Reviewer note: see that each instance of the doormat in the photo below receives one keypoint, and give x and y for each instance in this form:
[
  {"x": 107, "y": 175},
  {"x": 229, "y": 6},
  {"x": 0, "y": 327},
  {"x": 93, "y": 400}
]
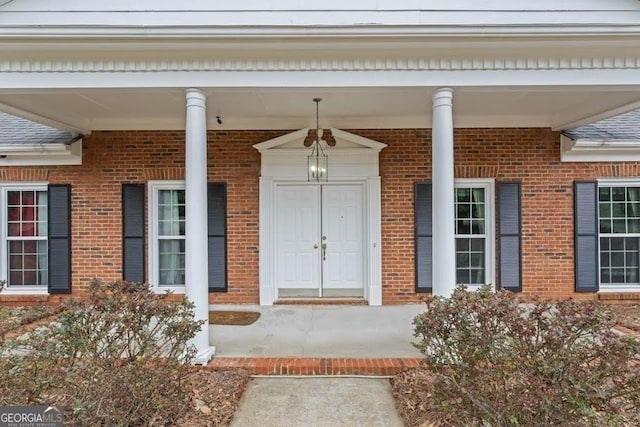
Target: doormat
[{"x": 239, "y": 318}]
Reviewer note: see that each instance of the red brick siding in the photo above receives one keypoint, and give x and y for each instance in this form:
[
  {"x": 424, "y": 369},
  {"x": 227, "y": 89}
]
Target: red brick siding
[{"x": 527, "y": 155}]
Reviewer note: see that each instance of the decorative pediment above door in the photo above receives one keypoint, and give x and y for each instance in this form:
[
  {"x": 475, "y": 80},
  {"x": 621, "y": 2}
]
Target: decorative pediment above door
[{"x": 352, "y": 156}]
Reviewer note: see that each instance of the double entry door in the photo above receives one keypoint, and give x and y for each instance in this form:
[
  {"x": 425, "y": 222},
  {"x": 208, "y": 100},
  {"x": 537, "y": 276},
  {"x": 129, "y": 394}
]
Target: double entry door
[{"x": 319, "y": 240}]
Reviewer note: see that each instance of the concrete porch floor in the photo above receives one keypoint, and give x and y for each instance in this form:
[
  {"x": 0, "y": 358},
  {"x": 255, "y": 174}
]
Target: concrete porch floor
[{"x": 319, "y": 331}]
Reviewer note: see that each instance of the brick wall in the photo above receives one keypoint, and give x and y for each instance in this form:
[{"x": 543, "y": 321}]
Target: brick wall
[{"x": 528, "y": 155}]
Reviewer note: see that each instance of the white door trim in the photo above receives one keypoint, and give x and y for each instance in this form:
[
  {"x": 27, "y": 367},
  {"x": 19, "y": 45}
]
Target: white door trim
[{"x": 351, "y": 161}]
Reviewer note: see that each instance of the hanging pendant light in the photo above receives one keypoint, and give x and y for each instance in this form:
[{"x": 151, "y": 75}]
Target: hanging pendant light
[{"x": 317, "y": 162}]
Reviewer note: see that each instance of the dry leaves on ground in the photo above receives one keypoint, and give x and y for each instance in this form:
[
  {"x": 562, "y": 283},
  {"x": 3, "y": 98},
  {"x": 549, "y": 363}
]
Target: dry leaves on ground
[
  {"x": 626, "y": 315},
  {"x": 214, "y": 396}
]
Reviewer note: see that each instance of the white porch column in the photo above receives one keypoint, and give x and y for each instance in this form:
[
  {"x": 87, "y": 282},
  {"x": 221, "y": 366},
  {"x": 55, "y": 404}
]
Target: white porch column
[
  {"x": 444, "y": 252},
  {"x": 196, "y": 265}
]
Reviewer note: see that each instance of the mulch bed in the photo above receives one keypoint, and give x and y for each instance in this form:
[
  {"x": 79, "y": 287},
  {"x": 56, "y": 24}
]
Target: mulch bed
[{"x": 214, "y": 396}]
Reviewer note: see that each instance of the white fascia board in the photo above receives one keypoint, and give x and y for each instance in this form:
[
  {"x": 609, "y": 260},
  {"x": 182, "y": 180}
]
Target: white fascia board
[
  {"x": 583, "y": 150},
  {"x": 320, "y": 31},
  {"x": 303, "y": 79},
  {"x": 41, "y": 154}
]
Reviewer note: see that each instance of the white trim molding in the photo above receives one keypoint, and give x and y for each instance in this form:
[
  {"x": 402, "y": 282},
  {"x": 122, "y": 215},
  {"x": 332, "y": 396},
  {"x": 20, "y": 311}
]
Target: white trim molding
[
  {"x": 4, "y": 258},
  {"x": 41, "y": 154},
  {"x": 255, "y": 64},
  {"x": 354, "y": 159},
  {"x": 581, "y": 150},
  {"x": 153, "y": 187}
]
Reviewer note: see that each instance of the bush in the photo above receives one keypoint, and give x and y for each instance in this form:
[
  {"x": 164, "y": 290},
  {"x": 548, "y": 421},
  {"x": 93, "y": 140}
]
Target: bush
[
  {"x": 114, "y": 358},
  {"x": 502, "y": 363}
]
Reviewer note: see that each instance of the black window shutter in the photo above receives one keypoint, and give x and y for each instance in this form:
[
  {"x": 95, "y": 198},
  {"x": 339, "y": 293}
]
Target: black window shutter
[
  {"x": 424, "y": 237},
  {"x": 133, "y": 232},
  {"x": 509, "y": 236},
  {"x": 217, "y": 236},
  {"x": 59, "y": 238},
  {"x": 586, "y": 235}
]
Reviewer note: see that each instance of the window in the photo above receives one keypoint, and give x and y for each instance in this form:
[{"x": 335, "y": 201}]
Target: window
[
  {"x": 24, "y": 243},
  {"x": 167, "y": 222},
  {"x": 472, "y": 228},
  {"x": 474, "y": 233},
  {"x": 471, "y": 239},
  {"x": 619, "y": 235}
]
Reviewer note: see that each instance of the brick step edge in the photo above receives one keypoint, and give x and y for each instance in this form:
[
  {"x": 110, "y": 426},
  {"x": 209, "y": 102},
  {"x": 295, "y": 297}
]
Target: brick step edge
[{"x": 316, "y": 366}]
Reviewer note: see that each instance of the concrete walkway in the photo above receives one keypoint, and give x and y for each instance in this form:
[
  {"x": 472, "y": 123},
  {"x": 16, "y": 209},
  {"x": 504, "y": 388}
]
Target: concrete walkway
[
  {"x": 319, "y": 402},
  {"x": 318, "y": 339}
]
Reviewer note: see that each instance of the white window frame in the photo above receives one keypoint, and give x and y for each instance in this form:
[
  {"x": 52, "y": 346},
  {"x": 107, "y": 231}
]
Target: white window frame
[
  {"x": 488, "y": 184},
  {"x": 4, "y": 260},
  {"x": 617, "y": 287},
  {"x": 153, "y": 187}
]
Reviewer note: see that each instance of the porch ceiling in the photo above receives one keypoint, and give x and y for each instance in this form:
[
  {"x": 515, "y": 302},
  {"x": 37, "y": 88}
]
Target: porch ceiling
[{"x": 292, "y": 108}]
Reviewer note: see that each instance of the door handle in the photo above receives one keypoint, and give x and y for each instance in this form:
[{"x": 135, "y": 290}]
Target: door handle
[
  {"x": 315, "y": 246},
  {"x": 324, "y": 251}
]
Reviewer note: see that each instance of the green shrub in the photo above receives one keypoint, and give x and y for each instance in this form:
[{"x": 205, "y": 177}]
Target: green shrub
[
  {"x": 114, "y": 358},
  {"x": 502, "y": 363}
]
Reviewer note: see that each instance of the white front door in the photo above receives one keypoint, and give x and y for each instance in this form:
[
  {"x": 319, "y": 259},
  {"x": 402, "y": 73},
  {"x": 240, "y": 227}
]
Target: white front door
[{"x": 319, "y": 240}]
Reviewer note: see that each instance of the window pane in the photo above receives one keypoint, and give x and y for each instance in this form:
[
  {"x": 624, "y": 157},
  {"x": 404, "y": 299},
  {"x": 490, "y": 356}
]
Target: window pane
[
  {"x": 462, "y": 259},
  {"x": 28, "y": 263},
  {"x": 462, "y": 276},
  {"x": 616, "y": 243},
  {"x": 463, "y": 194},
  {"x": 462, "y": 244},
  {"x": 619, "y": 260},
  {"x": 633, "y": 194},
  {"x": 619, "y": 226},
  {"x": 171, "y": 262},
  {"x": 477, "y": 227},
  {"x": 604, "y": 194},
  {"x": 605, "y": 210},
  {"x": 618, "y": 210},
  {"x": 171, "y": 212},
  {"x": 470, "y": 261},
  {"x": 478, "y": 195},
  {"x": 478, "y": 211},
  {"x": 617, "y": 275},
  {"x": 463, "y": 211},
  {"x": 27, "y": 213},
  {"x": 477, "y": 245},
  {"x": 477, "y": 276},
  {"x": 463, "y": 226},
  {"x": 618, "y": 193},
  {"x": 477, "y": 260},
  {"x": 605, "y": 226}
]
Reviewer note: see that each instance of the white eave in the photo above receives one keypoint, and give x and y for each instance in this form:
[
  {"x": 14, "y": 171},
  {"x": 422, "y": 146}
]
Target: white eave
[
  {"x": 590, "y": 150},
  {"x": 41, "y": 154}
]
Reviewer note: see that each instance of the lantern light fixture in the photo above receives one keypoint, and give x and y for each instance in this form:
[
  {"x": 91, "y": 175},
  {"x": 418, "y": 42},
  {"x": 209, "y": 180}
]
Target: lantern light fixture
[{"x": 317, "y": 161}]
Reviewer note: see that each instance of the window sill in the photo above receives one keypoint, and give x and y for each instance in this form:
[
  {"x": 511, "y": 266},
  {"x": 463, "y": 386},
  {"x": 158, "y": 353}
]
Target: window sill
[
  {"x": 161, "y": 290},
  {"x": 25, "y": 291},
  {"x": 619, "y": 289}
]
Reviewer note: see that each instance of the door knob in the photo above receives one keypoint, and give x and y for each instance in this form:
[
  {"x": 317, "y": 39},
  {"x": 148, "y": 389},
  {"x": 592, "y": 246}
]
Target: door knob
[{"x": 315, "y": 246}]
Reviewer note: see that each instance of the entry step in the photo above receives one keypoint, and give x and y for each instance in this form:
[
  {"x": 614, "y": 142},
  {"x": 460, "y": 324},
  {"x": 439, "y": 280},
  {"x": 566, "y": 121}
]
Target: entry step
[{"x": 321, "y": 301}]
